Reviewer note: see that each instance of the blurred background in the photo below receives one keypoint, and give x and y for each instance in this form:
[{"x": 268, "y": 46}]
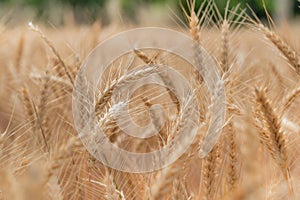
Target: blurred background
[{"x": 62, "y": 12}]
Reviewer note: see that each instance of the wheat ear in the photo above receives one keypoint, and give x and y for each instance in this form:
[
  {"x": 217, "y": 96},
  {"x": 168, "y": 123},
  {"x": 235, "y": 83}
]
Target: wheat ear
[
  {"x": 224, "y": 58},
  {"x": 54, "y": 51},
  {"x": 233, "y": 160},
  {"x": 28, "y": 106},
  {"x": 165, "y": 78},
  {"x": 123, "y": 80},
  {"x": 210, "y": 172},
  {"x": 274, "y": 137},
  {"x": 32, "y": 114},
  {"x": 194, "y": 29},
  {"x": 291, "y": 55},
  {"x": 42, "y": 107}
]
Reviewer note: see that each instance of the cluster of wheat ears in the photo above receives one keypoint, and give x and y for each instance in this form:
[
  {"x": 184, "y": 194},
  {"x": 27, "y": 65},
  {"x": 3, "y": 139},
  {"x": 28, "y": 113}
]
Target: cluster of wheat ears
[{"x": 256, "y": 155}]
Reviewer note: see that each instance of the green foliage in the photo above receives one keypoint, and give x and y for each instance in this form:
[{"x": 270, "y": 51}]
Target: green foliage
[
  {"x": 256, "y": 5},
  {"x": 130, "y": 7},
  {"x": 84, "y": 3}
]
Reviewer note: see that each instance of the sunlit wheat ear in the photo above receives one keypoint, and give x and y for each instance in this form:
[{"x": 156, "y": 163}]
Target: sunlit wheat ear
[
  {"x": 140, "y": 54},
  {"x": 233, "y": 169},
  {"x": 119, "y": 82},
  {"x": 54, "y": 51},
  {"x": 210, "y": 174},
  {"x": 291, "y": 55},
  {"x": 195, "y": 24},
  {"x": 229, "y": 26},
  {"x": 193, "y": 20},
  {"x": 163, "y": 75},
  {"x": 272, "y": 135},
  {"x": 225, "y": 47},
  {"x": 28, "y": 106},
  {"x": 198, "y": 19},
  {"x": 42, "y": 107},
  {"x": 108, "y": 122},
  {"x": 183, "y": 116}
]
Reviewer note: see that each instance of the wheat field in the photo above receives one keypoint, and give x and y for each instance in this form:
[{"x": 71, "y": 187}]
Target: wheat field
[{"x": 256, "y": 155}]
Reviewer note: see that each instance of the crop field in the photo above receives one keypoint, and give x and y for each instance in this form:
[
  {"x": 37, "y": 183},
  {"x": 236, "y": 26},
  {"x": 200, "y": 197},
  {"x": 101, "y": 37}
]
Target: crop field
[{"x": 245, "y": 127}]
